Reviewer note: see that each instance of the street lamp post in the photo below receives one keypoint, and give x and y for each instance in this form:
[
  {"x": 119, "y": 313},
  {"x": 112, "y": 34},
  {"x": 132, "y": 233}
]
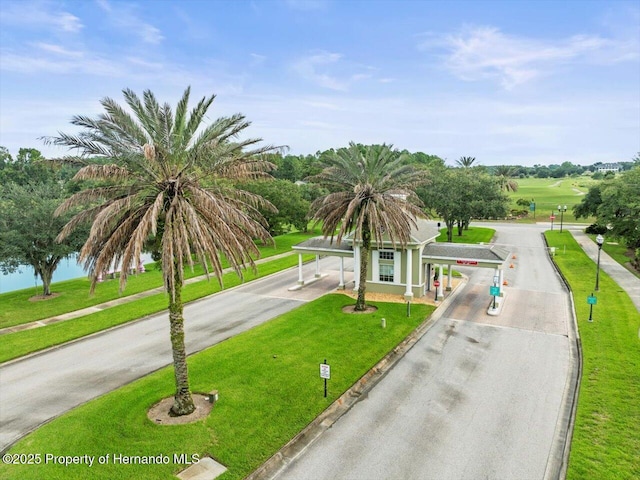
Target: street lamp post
[
  {"x": 562, "y": 209},
  {"x": 599, "y": 241}
]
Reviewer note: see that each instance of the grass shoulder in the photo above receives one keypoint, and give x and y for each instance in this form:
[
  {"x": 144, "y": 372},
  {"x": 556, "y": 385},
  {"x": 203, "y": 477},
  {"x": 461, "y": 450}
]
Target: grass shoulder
[
  {"x": 471, "y": 235},
  {"x": 74, "y": 294},
  {"x": 18, "y": 344},
  {"x": 605, "y": 439},
  {"x": 263, "y": 402}
]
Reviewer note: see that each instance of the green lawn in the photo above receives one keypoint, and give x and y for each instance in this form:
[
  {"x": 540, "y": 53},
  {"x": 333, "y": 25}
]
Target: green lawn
[
  {"x": 269, "y": 385},
  {"x": 473, "y": 235},
  {"x": 74, "y": 294},
  {"x": 548, "y": 193},
  {"x": 14, "y": 345},
  {"x": 606, "y": 439},
  {"x": 619, "y": 252}
]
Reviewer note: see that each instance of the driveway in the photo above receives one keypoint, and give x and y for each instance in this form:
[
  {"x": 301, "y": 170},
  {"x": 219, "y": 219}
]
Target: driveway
[
  {"x": 478, "y": 397},
  {"x": 41, "y": 387}
]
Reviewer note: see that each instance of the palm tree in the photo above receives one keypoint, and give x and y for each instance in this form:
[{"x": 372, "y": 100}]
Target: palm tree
[
  {"x": 465, "y": 162},
  {"x": 505, "y": 174},
  {"x": 165, "y": 176},
  {"x": 372, "y": 195}
]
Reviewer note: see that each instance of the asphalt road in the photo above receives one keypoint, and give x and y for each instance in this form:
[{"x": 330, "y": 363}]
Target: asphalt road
[
  {"x": 39, "y": 388},
  {"x": 478, "y": 397}
]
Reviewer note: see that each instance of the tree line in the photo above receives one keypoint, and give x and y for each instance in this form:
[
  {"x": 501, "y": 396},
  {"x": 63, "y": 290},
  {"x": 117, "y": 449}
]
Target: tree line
[{"x": 156, "y": 178}]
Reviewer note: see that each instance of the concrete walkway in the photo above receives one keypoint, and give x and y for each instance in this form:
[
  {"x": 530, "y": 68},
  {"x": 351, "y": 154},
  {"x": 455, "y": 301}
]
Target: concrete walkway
[
  {"x": 623, "y": 277},
  {"x": 118, "y": 301}
]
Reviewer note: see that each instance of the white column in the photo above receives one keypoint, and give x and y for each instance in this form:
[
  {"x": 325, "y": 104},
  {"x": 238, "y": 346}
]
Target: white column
[
  {"x": 317, "y": 266},
  {"x": 408, "y": 293},
  {"x": 450, "y": 279},
  {"x": 501, "y": 281},
  {"x": 341, "y": 284},
  {"x": 439, "y": 288},
  {"x": 356, "y": 267},
  {"x": 300, "y": 279}
]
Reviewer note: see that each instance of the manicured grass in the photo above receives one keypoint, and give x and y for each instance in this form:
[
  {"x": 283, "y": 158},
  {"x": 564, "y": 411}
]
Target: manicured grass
[
  {"x": 619, "y": 252},
  {"x": 606, "y": 439},
  {"x": 269, "y": 385},
  {"x": 473, "y": 235},
  {"x": 548, "y": 193},
  {"x": 74, "y": 294},
  {"x": 14, "y": 345}
]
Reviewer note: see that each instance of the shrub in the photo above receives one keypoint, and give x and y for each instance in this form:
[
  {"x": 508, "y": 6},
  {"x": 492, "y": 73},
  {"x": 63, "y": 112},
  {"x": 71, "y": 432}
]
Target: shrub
[{"x": 596, "y": 229}]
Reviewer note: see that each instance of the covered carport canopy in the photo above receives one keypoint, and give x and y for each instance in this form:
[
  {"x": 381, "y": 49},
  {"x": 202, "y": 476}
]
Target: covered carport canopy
[
  {"x": 322, "y": 246},
  {"x": 462, "y": 254}
]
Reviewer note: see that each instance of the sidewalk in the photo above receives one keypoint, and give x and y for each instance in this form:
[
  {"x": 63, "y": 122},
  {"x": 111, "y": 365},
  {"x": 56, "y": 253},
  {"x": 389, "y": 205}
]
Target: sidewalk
[
  {"x": 118, "y": 301},
  {"x": 623, "y": 277}
]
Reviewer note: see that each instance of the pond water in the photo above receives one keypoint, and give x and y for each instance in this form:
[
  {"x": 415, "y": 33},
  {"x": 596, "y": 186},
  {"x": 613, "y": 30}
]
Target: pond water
[{"x": 25, "y": 277}]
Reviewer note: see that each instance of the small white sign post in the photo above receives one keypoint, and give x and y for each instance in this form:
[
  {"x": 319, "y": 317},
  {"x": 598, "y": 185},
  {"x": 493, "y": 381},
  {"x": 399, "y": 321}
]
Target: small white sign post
[{"x": 325, "y": 372}]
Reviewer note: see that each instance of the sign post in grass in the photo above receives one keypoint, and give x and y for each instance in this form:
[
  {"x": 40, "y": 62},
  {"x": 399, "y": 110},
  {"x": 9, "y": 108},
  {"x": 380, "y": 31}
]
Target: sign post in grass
[
  {"x": 591, "y": 300},
  {"x": 325, "y": 372}
]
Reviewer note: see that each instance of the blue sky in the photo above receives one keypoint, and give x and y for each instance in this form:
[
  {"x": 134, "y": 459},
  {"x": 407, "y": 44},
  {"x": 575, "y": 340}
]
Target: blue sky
[{"x": 507, "y": 82}]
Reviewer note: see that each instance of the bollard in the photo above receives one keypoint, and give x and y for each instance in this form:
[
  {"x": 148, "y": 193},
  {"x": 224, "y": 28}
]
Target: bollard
[{"x": 383, "y": 323}]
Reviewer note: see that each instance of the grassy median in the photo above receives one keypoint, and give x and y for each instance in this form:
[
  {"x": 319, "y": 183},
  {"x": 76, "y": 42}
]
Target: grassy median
[
  {"x": 269, "y": 385},
  {"x": 606, "y": 438},
  {"x": 74, "y": 294},
  {"x": 18, "y": 344}
]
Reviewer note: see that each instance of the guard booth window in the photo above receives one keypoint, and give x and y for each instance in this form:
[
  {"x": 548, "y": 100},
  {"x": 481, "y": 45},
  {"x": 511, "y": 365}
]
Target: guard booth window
[{"x": 386, "y": 264}]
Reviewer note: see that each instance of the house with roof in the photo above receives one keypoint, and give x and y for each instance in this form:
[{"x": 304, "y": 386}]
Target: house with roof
[
  {"x": 609, "y": 167},
  {"x": 412, "y": 270}
]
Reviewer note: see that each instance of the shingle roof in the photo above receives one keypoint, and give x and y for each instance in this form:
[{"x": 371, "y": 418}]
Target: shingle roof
[
  {"x": 462, "y": 251},
  {"x": 321, "y": 243}
]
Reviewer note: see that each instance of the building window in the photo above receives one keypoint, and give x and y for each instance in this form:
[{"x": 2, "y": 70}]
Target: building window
[
  {"x": 386, "y": 255},
  {"x": 386, "y": 265}
]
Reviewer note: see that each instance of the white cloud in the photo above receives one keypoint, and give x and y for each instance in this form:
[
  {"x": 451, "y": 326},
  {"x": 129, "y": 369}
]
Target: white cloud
[
  {"x": 41, "y": 14},
  {"x": 58, "y": 49},
  {"x": 124, "y": 17},
  {"x": 328, "y": 70},
  {"x": 478, "y": 53}
]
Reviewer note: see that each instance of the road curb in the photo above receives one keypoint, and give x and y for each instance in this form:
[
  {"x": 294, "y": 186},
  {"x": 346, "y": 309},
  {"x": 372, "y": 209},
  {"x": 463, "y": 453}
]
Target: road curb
[
  {"x": 561, "y": 448},
  {"x": 298, "y": 444}
]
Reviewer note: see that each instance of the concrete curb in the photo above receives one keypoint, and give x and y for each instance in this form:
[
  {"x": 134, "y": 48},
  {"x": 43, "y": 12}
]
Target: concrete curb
[
  {"x": 558, "y": 460},
  {"x": 298, "y": 444}
]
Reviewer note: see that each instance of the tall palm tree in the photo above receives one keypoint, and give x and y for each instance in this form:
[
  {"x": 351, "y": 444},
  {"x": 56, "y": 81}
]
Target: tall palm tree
[
  {"x": 465, "y": 162},
  {"x": 504, "y": 173},
  {"x": 164, "y": 176},
  {"x": 372, "y": 196}
]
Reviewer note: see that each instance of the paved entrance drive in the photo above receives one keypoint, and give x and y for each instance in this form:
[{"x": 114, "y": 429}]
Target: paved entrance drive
[
  {"x": 38, "y": 388},
  {"x": 478, "y": 397}
]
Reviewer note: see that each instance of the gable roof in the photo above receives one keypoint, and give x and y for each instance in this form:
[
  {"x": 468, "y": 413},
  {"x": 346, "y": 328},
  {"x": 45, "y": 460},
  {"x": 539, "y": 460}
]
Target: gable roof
[
  {"x": 425, "y": 231},
  {"x": 459, "y": 253}
]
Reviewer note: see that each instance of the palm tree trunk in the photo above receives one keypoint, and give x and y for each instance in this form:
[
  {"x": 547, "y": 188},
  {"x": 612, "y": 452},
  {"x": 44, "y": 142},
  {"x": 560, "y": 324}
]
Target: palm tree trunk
[
  {"x": 364, "y": 265},
  {"x": 183, "y": 403}
]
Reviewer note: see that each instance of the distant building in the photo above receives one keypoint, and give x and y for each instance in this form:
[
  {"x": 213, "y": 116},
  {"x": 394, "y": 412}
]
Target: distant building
[{"x": 609, "y": 167}]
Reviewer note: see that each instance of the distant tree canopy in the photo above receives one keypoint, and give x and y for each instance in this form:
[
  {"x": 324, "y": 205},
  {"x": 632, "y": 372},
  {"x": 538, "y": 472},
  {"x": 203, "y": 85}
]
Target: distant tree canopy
[
  {"x": 29, "y": 229},
  {"x": 286, "y": 196},
  {"x": 616, "y": 204},
  {"x": 460, "y": 195}
]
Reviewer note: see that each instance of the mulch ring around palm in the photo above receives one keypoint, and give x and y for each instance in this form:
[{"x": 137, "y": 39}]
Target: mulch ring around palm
[
  {"x": 352, "y": 309},
  {"x": 159, "y": 413}
]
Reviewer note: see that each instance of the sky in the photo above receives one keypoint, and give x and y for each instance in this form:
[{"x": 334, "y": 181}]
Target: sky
[{"x": 507, "y": 82}]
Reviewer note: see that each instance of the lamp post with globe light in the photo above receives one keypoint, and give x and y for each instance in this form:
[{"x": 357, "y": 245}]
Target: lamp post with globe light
[
  {"x": 599, "y": 241},
  {"x": 562, "y": 209}
]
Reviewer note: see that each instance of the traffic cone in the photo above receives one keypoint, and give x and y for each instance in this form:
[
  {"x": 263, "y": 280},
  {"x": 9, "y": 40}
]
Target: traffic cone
[
  {"x": 505, "y": 283},
  {"x": 511, "y": 266}
]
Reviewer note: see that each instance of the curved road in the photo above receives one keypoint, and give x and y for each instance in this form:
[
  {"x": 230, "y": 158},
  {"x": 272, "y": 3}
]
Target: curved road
[
  {"x": 36, "y": 389},
  {"x": 478, "y": 397}
]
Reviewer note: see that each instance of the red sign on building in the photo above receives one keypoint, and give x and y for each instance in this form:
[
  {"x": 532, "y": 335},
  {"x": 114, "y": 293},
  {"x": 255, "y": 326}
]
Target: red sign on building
[{"x": 466, "y": 262}]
